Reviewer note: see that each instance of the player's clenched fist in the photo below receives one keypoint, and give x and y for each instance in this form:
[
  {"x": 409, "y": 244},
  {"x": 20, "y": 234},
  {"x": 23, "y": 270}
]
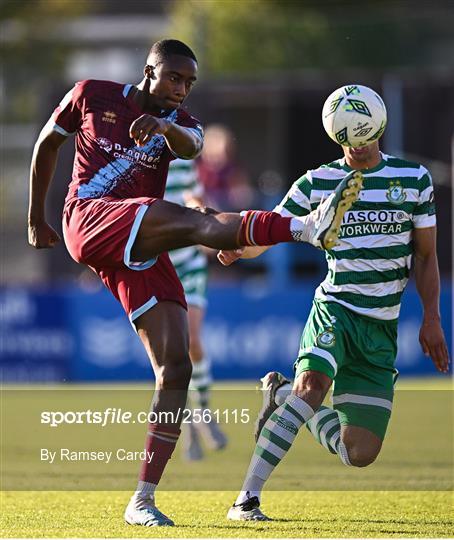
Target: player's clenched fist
[
  {"x": 42, "y": 235},
  {"x": 144, "y": 127},
  {"x": 227, "y": 257}
]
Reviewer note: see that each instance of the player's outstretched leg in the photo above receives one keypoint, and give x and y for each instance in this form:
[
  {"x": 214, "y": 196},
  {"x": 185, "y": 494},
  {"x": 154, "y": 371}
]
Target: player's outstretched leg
[
  {"x": 276, "y": 438},
  {"x": 166, "y": 226}
]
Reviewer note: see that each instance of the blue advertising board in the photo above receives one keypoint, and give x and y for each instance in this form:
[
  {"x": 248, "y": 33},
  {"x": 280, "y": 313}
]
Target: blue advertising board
[
  {"x": 79, "y": 335},
  {"x": 36, "y": 339}
]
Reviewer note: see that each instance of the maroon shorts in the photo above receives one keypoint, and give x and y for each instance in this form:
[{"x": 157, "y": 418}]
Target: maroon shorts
[{"x": 100, "y": 233}]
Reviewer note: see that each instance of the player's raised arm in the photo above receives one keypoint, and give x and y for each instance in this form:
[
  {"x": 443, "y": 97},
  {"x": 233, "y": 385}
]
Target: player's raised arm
[
  {"x": 427, "y": 276},
  {"x": 183, "y": 141},
  {"x": 44, "y": 160}
]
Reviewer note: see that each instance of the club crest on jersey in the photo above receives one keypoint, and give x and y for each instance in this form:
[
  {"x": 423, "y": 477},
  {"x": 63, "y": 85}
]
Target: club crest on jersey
[
  {"x": 109, "y": 116},
  {"x": 104, "y": 143},
  {"x": 326, "y": 338},
  {"x": 396, "y": 193}
]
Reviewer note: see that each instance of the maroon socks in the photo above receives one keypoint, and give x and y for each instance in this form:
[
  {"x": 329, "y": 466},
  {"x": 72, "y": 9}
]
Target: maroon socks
[
  {"x": 160, "y": 444},
  {"x": 260, "y": 228}
]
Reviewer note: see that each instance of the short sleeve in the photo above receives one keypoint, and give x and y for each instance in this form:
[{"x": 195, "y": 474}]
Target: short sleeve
[
  {"x": 297, "y": 201},
  {"x": 424, "y": 213},
  {"x": 67, "y": 117},
  {"x": 186, "y": 120}
]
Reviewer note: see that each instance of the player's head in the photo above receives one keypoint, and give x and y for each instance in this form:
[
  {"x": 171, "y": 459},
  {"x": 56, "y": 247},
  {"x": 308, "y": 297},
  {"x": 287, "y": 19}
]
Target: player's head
[{"x": 171, "y": 71}]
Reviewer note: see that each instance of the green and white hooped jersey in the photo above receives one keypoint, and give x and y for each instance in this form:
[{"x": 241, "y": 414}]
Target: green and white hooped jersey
[
  {"x": 190, "y": 263},
  {"x": 368, "y": 271}
]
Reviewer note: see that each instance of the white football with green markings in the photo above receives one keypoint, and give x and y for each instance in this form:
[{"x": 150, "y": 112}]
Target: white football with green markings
[{"x": 354, "y": 115}]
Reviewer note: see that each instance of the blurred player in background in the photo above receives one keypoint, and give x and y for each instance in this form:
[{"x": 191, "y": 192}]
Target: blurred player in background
[
  {"x": 350, "y": 337},
  {"x": 223, "y": 177},
  {"x": 116, "y": 222},
  {"x": 191, "y": 264}
]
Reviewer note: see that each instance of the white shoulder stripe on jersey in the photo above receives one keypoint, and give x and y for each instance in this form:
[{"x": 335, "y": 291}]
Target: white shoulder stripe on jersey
[
  {"x": 425, "y": 194},
  {"x": 425, "y": 221},
  {"x": 397, "y": 172}
]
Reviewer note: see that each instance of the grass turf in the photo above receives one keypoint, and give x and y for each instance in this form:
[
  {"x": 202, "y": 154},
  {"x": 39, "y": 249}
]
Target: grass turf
[
  {"x": 202, "y": 514},
  {"x": 405, "y": 493}
]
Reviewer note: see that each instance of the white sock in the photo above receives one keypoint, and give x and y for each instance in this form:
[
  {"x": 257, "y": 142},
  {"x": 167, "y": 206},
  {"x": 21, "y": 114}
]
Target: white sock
[
  {"x": 145, "y": 490},
  {"x": 245, "y": 495},
  {"x": 300, "y": 231},
  {"x": 281, "y": 427}
]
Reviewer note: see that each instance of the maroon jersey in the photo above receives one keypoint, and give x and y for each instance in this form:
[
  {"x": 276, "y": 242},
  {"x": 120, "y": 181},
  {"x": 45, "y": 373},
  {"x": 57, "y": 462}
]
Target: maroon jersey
[{"x": 107, "y": 160}]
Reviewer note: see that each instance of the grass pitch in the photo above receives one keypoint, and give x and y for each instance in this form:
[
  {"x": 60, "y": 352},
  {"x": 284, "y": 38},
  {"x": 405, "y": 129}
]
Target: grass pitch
[
  {"x": 202, "y": 514},
  {"x": 406, "y": 493}
]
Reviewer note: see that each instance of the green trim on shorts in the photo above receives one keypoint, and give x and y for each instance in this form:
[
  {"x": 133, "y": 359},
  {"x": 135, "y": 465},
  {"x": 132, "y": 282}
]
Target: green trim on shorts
[{"x": 311, "y": 362}]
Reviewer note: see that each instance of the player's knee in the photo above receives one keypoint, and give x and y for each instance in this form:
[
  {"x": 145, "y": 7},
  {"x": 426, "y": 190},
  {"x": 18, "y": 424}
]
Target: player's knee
[
  {"x": 175, "y": 375},
  {"x": 312, "y": 387},
  {"x": 361, "y": 453},
  {"x": 361, "y": 458}
]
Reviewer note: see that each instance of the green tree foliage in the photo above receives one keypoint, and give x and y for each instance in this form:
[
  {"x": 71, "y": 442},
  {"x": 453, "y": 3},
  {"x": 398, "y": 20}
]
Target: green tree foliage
[
  {"x": 29, "y": 59},
  {"x": 267, "y": 35}
]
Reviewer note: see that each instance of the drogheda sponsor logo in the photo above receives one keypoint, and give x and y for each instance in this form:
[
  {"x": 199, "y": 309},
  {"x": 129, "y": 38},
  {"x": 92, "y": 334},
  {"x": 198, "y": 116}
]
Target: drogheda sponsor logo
[{"x": 118, "y": 151}]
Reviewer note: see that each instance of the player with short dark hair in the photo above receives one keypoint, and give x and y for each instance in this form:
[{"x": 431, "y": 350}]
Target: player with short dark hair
[
  {"x": 162, "y": 50},
  {"x": 115, "y": 222}
]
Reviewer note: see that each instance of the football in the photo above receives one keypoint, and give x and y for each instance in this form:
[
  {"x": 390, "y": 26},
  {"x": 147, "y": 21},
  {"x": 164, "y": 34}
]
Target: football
[{"x": 354, "y": 115}]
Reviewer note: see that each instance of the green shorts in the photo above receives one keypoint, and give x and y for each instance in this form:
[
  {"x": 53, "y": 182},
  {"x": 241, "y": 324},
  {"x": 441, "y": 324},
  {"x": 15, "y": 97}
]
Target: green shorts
[{"x": 358, "y": 353}]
